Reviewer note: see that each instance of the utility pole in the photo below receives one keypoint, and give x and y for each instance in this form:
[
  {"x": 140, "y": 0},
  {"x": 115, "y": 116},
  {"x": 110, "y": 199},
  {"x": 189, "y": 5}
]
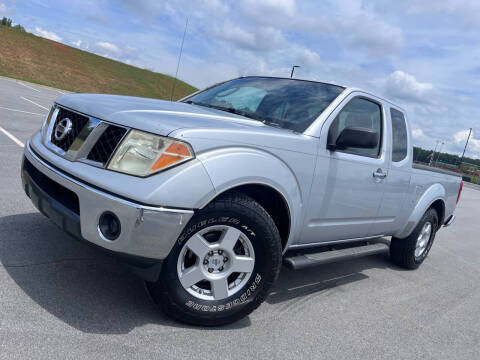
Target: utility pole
[
  {"x": 433, "y": 155},
  {"x": 179, "y": 57},
  {"x": 293, "y": 69},
  {"x": 465, "y": 148},
  {"x": 439, "y": 151}
]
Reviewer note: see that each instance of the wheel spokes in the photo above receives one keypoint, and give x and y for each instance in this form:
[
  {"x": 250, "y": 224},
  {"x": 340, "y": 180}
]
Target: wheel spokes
[
  {"x": 428, "y": 229},
  {"x": 219, "y": 288},
  {"x": 214, "y": 260},
  {"x": 242, "y": 264},
  {"x": 191, "y": 276},
  {"x": 230, "y": 238},
  {"x": 198, "y": 245}
]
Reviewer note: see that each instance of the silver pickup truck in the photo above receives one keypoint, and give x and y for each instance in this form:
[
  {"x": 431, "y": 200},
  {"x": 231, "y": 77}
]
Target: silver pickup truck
[{"x": 206, "y": 197}]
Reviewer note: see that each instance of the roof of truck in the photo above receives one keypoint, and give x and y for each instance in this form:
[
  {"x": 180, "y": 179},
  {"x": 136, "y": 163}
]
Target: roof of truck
[{"x": 347, "y": 88}]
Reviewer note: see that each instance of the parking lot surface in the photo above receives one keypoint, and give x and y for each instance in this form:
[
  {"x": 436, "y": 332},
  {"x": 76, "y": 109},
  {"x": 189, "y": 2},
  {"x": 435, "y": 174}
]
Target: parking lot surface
[{"x": 60, "y": 298}]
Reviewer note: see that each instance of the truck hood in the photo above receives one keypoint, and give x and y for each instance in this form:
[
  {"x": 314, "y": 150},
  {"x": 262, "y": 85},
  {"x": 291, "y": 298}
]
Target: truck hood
[{"x": 156, "y": 116}]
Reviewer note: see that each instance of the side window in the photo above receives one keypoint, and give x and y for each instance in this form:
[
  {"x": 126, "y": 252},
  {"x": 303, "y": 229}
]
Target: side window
[
  {"x": 359, "y": 112},
  {"x": 399, "y": 136}
]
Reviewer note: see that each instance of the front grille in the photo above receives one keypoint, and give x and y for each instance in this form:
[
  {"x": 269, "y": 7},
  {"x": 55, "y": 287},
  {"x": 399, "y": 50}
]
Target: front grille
[
  {"x": 89, "y": 139},
  {"x": 78, "y": 122},
  {"x": 106, "y": 145},
  {"x": 56, "y": 191}
]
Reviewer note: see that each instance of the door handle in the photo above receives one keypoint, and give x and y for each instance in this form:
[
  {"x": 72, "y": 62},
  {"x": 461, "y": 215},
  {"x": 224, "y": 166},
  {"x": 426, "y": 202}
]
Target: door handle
[{"x": 379, "y": 174}]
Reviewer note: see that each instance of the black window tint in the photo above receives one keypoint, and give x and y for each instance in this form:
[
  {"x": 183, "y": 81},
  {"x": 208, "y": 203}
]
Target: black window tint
[
  {"x": 358, "y": 113},
  {"x": 399, "y": 136}
]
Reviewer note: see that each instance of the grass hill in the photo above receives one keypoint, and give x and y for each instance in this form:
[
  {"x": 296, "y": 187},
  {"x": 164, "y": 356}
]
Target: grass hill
[{"x": 31, "y": 58}]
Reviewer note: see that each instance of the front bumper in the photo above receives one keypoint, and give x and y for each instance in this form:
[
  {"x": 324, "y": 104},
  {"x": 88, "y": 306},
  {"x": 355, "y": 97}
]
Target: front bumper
[{"x": 147, "y": 231}]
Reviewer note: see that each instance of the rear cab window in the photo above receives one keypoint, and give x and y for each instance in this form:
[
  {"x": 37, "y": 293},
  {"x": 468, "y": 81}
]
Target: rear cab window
[{"x": 399, "y": 136}]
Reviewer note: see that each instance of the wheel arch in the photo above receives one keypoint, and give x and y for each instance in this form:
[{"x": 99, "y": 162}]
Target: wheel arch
[
  {"x": 272, "y": 200},
  {"x": 434, "y": 197},
  {"x": 258, "y": 174},
  {"x": 439, "y": 206}
]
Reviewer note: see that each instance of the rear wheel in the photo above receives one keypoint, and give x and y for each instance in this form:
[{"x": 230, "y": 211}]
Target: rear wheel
[
  {"x": 412, "y": 251},
  {"x": 222, "y": 265}
]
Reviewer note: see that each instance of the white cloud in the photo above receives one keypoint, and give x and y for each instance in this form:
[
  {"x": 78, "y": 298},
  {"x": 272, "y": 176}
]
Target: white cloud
[
  {"x": 404, "y": 86},
  {"x": 268, "y": 8},
  {"x": 418, "y": 134},
  {"x": 460, "y": 138},
  {"x": 308, "y": 59},
  {"x": 215, "y": 5},
  {"x": 112, "y": 48},
  {"x": 464, "y": 10},
  {"x": 262, "y": 38},
  {"x": 77, "y": 43},
  {"x": 3, "y": 9},
  {"x": 361, "y": 27},
  {"x": 47, "y": 34}
]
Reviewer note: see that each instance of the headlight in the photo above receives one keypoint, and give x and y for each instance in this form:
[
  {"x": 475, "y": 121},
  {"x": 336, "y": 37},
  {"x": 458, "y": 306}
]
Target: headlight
[{"x": 143, "y": 154}]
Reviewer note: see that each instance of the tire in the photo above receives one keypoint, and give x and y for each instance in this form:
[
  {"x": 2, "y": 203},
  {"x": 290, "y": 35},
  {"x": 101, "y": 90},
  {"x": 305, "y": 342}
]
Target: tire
[
  {"x": 405, "y": 252},
  {"x": 210, "y": 302}
]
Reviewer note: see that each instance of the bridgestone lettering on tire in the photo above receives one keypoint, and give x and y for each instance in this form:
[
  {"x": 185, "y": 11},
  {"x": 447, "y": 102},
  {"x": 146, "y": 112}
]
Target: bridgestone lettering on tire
[{"x": 222, "y": 265}]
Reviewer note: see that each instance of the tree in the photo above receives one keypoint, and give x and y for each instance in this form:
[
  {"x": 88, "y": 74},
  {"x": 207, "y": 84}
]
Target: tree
[
  {"x": 6, "y": 22},
  {"x": 421, "y": 155}
]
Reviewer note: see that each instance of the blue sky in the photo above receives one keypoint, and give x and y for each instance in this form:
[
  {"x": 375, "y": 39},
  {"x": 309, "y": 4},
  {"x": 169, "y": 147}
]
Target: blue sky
[{"x": 424, "y": 55}]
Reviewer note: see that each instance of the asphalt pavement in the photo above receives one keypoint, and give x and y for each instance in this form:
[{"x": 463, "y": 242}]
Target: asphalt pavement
[{"x": 61, "y": 299}]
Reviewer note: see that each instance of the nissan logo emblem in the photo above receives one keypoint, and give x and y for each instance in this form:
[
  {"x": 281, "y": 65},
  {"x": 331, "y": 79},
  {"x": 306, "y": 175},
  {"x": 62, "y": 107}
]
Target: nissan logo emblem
[{"x": 63, "y": 128}]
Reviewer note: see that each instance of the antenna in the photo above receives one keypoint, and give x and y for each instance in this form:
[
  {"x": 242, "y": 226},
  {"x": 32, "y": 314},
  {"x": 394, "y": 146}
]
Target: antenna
[{"x": 179, "y": 57}]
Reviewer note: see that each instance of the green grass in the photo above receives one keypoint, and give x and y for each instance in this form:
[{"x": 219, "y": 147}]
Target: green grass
[{"x": 31, "y": 58}]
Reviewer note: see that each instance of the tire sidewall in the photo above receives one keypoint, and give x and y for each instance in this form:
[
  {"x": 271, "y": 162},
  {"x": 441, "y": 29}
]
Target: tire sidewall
[
  {"x": 264, "y": 273},
  {"x": 430, "y": 216}
]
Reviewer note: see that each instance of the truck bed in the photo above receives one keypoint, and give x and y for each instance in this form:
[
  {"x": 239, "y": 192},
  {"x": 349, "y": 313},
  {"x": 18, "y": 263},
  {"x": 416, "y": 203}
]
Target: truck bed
[{"x": 435, "y": 169}]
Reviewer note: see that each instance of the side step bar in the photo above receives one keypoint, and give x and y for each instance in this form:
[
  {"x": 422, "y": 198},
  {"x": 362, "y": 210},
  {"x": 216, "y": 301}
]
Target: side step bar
[{"x": 306, "y": 260}]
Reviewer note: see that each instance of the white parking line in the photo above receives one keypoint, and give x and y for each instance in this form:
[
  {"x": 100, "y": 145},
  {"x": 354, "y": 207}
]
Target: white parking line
[
  {"x": 19, "y": 82},
  {"x": 13, "y": 138},
  {"x": 33, "y": 102},
  {"x": 26, "y": 112}
]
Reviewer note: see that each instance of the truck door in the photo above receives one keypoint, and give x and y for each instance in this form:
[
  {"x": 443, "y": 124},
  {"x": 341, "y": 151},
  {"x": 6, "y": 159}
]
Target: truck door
[
  {"x": 399, "y": 175},
  {"x": 348, "y": 184}
]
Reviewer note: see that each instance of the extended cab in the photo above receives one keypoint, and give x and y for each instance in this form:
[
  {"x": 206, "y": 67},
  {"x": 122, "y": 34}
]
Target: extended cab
[{"x": 206, "y": 197}]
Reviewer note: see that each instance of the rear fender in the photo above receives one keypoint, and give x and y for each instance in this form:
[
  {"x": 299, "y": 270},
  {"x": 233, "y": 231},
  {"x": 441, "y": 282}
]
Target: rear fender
[{"x": 425, "y": 201}]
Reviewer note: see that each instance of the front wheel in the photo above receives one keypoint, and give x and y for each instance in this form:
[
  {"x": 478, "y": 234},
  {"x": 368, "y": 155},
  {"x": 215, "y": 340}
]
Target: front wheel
[
  {"x": 222, "y": 265},
  {"x": 412, "y": 251}
]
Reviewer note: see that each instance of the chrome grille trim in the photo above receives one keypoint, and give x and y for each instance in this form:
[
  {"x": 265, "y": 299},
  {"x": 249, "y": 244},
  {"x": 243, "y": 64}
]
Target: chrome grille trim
[{"x": 84, "y": 142}]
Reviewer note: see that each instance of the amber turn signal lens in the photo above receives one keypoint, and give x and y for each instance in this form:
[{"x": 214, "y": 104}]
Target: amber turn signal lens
[
  {"x": 174, "y": 153},
  {"x": 165, "y": 160},
  {"x": 178, "y": 149}
]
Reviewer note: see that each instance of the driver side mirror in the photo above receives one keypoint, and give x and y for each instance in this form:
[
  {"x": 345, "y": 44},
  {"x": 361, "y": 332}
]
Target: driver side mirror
[{"x": 356, "y": 137}]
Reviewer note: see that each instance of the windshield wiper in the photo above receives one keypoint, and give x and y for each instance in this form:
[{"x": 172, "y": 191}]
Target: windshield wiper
[{"x": 266, "y": 121}]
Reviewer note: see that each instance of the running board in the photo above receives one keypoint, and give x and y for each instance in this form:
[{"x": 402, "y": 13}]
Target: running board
[{"x": 306, "y": 260}]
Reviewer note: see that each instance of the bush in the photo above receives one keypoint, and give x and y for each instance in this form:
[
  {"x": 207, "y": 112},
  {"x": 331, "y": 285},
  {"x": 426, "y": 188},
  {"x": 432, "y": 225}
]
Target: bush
[{"x": 19, "y": 27}]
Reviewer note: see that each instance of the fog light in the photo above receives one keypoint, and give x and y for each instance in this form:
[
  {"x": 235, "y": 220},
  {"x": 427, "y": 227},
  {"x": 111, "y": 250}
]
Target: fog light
[{"x": 109, "y": 225}]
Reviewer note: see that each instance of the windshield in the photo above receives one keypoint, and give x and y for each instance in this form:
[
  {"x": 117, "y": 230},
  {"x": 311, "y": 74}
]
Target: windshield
[{"x": 286, "y": 103}]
